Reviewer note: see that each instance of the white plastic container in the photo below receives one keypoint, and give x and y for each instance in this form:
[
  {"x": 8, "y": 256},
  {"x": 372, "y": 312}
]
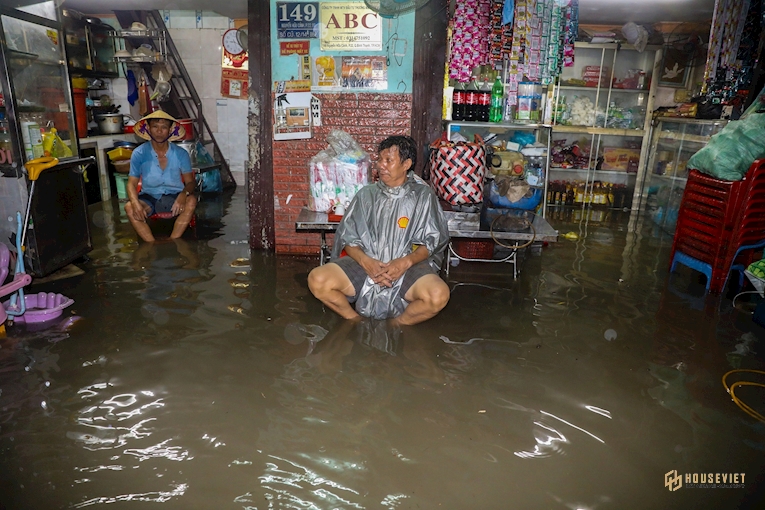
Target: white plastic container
[
  {"x": 32, "y": 135},
  {"x": 529, "y": 101}
]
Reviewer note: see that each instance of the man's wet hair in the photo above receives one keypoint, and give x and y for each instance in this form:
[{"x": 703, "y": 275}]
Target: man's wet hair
[{"x": 407, "y": 148}]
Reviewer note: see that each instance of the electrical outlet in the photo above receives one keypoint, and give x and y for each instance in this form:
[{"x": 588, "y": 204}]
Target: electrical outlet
[{"x": 315, "y": 112}]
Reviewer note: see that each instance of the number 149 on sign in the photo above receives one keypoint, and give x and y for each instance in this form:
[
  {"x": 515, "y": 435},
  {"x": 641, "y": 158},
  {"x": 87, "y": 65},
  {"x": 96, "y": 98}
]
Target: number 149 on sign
[{"x": 297, "y": 19}]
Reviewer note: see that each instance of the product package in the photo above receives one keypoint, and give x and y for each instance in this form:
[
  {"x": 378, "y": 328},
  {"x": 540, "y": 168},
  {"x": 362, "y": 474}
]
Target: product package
[{"x": 338, "y": 172}]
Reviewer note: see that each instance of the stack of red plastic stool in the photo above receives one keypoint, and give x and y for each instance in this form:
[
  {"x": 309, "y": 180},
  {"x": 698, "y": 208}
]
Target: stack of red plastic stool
[{"x": 719, "y": 223}]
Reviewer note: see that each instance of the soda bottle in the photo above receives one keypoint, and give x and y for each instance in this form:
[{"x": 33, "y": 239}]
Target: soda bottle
[
  {"x": 458, "y": 102},
  {"x": 471, "y": 101},
  {"x": 484, "y": 99},
  {"x": 497, "y": 99}
]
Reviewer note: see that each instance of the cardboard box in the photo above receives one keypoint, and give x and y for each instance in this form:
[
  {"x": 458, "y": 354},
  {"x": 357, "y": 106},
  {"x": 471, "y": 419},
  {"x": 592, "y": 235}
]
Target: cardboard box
[{"x": 618, "y": 158}]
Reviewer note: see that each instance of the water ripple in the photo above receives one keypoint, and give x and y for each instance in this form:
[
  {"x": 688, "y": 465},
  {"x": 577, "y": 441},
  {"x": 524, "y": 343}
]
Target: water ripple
[
  {"x": 153, "y": 496},
  {"x": 328, "y": 493}
]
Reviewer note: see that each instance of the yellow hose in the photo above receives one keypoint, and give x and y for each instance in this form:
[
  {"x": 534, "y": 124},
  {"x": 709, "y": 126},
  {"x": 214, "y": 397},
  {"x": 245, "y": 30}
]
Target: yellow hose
[{"x": 731, "y": 389}]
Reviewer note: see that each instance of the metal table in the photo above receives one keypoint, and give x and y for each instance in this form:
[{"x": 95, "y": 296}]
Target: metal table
[
  {"x": 311, "y": 221},
  {"x": 542, "y": 232}
]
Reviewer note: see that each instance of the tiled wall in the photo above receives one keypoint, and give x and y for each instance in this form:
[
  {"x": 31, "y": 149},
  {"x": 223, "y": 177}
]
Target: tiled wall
[{"x": 199, "y": 44}]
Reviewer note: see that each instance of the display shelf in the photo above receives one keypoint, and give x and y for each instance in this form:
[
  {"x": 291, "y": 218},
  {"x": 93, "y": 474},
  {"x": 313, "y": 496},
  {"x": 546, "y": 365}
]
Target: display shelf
[
  {"x": 504, "y": 126},
  {"x": 673, "y": 141},
  {"x": 602, "y": 66},
  {"x": 590, "y": 130},
  {"x": 673, "y": 178},
  {"x": 579, "y": 170},
  {"x": 684, "y": 137},
  {"x": 595, "y": 89}
]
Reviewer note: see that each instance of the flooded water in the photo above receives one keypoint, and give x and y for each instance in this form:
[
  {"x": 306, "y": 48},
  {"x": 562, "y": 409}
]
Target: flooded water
[{"x": 199, "y": 376}]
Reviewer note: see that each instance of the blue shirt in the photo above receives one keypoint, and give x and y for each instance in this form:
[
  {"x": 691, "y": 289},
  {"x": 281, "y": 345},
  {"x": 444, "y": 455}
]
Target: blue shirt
[{"x": 156, "y": 182}]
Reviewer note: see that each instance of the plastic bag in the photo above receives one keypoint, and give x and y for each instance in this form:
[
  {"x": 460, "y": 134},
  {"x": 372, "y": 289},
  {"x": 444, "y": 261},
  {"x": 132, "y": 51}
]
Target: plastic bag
[
  {"x": 54, "y": 146},
  {"x": 337, "y": 173},
  {"x": 729, "y": 154},
  {"x": 210, "y": 181}
]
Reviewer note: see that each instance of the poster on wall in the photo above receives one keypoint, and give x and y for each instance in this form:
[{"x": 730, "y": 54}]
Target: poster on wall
[
  {"x": 325, "y": 72},
  {"x": 297, "y": 20},
  {"x": 292, "y": 116},
  {"x": 349, "y": 26},
  {"x": 233, "y": 83},
  {"x": 364, "y": 73}
]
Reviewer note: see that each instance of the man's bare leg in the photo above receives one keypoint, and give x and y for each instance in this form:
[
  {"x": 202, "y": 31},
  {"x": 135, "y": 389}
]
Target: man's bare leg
[
  {"x": 183, "y": 219},
  {"x": 140, "y": 226},
  {"x": 330, "y": 285},
  {"x": 426, "y": 298}
]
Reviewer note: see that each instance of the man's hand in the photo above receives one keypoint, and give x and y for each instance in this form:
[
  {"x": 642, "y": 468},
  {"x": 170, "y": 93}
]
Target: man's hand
[
  {"x": 179, "y": 205},
  {"x": 386, "y": 274},
  {"x": 139, "y": 213},
  {"x": 394, "y": 270},
  {"x": 375, "y": 269}
]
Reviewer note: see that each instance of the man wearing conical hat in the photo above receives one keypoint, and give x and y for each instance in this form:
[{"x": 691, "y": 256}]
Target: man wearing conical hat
[{"x": 165, "y": 173}]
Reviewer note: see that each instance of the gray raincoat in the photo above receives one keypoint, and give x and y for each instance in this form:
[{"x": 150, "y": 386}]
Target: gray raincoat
[{"x": 385, "y": 222}]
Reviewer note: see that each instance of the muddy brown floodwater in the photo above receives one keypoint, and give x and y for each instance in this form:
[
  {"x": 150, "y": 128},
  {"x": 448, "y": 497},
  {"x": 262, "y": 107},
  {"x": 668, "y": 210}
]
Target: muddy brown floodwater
[{"x": 199, "y": 375}]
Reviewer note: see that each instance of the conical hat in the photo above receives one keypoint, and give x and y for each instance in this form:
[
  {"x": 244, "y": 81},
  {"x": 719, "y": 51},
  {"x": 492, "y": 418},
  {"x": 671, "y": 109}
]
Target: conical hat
[{"x": 141, "y": 128}]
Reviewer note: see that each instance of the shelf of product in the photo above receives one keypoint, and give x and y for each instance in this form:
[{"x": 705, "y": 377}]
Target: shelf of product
[
  {"x": 608, "y": 86},
  {"x": 598, "y": 114},
  {"x": 517, "y": 162},
  {"x": 673, "y": 142}
]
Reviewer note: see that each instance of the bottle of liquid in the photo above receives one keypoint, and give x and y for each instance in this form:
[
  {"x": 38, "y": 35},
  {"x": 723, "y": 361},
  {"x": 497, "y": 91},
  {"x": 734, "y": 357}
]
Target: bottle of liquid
[
  {"x": 497, "y": 100},
  {"x": 471, "y": 101},
  {"x": 484, "y": 98},
  {"x": 458, "y": 102}
]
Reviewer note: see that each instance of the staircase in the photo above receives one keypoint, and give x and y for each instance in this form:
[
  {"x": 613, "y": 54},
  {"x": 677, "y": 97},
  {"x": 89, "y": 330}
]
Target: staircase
[{"x": 183, "y": 101}]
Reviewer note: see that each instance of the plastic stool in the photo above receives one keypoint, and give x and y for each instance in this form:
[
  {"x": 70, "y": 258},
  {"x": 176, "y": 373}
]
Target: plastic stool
[{"x": 696, "y": 264}]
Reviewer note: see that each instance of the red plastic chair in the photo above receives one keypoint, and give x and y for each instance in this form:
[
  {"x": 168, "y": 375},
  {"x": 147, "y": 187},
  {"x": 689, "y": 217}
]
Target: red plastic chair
[{"x": 721, "y": 224}]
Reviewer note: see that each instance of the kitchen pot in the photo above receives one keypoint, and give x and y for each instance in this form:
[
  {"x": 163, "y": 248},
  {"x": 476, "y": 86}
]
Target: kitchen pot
[
  {"x": 191, "y": 148},
  {"x": 109, "y": 123}
]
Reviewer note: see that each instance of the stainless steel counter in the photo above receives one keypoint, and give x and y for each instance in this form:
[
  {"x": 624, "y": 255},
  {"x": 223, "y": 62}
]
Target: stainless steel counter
[{"x": 311, "y": 221}]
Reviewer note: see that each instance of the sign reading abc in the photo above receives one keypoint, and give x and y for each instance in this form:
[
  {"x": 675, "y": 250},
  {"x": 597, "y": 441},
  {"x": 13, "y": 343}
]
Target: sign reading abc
[{"x": 349, "y": 27}]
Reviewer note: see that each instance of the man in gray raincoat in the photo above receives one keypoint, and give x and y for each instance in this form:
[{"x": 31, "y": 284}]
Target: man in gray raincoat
[{"x": 394, "y": 234}]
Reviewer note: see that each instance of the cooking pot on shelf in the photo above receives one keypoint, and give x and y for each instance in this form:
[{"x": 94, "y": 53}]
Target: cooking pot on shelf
[{"x": 109, "y": 123}]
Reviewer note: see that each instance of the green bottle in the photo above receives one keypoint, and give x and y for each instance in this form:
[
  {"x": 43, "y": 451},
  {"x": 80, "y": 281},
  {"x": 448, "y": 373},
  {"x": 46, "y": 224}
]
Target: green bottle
[{"x": 497, "y": 96}]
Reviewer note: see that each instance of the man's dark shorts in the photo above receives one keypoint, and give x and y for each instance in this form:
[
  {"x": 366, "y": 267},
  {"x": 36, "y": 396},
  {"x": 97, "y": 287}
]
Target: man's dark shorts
[
  {"x": 163, "y": 204},
  {"x": 357, "y": 275}
]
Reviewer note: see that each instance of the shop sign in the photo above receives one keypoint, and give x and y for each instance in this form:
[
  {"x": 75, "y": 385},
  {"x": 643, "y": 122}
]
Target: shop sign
[
  {"x": 349, "y": 26},
  {"x": 294, "y": 47},
  {"x": 297, "y": 20}
]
